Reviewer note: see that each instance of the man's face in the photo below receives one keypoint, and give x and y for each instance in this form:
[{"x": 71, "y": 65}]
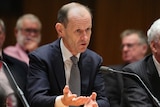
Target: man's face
[
  {"x": 2, "y": 37},
  {"x": 132, "y": 50},
  {"x": 29, "y": 35},
  {"x": 77, "y": 32}
]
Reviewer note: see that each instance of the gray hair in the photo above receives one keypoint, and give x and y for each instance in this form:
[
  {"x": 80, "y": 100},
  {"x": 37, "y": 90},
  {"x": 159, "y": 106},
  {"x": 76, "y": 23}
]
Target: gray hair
[
  {"x": 62, "y": 16},
  {"x": 154, "y": 32},
  {"x": 2, "y": 25},
  {"x": 141, "y": 35},
  {"x": 30, "y": 17}
]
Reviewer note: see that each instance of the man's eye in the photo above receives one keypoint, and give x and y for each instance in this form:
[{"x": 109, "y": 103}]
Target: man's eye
[
  {"x": 78, "y": 30},
  {"x": 88, "y": 29}
]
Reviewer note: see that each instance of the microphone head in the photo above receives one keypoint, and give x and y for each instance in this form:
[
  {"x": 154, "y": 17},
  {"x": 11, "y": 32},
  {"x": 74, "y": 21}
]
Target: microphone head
[{"x": 105, "y": 69}]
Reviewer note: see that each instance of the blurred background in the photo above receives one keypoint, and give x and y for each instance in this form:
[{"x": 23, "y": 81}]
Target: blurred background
[{"x": 110, "y": 18}]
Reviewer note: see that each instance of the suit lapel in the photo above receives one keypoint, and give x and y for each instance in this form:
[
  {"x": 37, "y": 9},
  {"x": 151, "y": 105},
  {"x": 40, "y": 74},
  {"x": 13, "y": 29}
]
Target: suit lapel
[
  {"x": 60, "y": 73},
  {"x": 7, "y": 69},
  {"x": 84, "y": 66},
  {"x": 153, "y": 78},
  {"x": 59, "y": 65}
]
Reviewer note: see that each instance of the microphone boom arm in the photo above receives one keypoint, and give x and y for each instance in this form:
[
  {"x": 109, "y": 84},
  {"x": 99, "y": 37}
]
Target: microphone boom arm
[{"x": 20, "y": 92}]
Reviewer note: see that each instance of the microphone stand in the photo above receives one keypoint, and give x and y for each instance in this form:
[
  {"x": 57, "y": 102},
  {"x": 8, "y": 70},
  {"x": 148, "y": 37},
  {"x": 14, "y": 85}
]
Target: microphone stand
[
  {"x": 155, "y": 100},
  {"x": 20, "y": 92}
]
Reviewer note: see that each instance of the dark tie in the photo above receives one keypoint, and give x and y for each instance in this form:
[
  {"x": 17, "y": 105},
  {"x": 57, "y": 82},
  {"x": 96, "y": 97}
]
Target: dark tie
[{"x": 74, "y": 81}]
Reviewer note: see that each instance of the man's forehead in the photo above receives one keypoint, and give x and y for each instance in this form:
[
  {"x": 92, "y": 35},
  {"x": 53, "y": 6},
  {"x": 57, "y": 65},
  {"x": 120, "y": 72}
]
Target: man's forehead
[
  {"x": 131, "y": 37},
  {"x": 78, "y": 12}
]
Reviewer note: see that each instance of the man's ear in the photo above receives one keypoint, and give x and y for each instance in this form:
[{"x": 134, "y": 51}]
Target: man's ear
[
  {"x": 153, "y": 46},
  {"x": 60, "y": 29}
]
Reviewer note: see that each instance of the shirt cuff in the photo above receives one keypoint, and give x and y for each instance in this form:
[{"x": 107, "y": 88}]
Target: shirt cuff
[{"x": 58, "y": 102}]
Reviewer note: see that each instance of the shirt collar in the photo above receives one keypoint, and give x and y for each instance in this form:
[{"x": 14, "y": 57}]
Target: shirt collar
[
  {"x": 66, "y": 54},
  {"x": 157, "y": 64}
]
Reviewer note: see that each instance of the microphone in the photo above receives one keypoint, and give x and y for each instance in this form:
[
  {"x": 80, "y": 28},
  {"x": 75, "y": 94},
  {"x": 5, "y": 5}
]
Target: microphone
[
  {"x": 110, "y": 70},
  {"x": 20, "y": 92}
]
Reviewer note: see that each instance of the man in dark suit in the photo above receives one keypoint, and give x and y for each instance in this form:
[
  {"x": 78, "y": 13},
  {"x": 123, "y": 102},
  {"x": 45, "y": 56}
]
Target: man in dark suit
[
  {"x": 50, "y": 65},
  {"x": 134, "y": 47},
  {"x": 149, "y": 71},
  {"x": 19, "y": 72}
]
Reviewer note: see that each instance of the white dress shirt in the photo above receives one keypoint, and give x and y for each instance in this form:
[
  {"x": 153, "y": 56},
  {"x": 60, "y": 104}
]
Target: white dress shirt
[{"x": 66, "y": 54}]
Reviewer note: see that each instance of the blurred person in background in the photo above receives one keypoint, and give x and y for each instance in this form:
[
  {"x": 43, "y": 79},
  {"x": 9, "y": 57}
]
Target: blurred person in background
[
  {"x": 28, "y": 36},
  {"x": 134, "y": 47},
  {"x": 8, "y": 93}
]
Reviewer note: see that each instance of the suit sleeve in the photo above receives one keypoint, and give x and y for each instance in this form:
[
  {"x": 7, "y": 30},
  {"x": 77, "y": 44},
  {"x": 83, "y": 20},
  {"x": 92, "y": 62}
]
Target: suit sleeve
[{"x": 38, "y": 85}]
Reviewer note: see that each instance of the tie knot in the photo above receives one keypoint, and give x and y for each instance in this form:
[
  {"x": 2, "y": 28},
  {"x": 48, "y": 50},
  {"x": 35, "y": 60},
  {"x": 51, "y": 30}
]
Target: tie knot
[{"x": 74, "y": 59}]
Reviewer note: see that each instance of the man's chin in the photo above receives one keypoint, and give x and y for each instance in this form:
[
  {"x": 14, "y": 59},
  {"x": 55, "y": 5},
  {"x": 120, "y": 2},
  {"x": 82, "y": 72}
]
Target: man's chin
[
  {"x": 83, "y": 49},
  {"x": 126, "y": 59}
]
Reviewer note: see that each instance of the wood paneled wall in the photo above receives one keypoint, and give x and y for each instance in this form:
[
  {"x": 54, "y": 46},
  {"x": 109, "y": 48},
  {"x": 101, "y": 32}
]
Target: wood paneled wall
[
  {"x": 111, "y": 17},
  {"x": 114, "y": 16}
]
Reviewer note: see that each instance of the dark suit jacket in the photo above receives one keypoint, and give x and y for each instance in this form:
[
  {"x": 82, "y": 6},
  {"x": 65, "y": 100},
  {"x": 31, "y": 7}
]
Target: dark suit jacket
[
  {"x": 134, "y": 92},
  {"x": 114, "y": 86},
  {"x": 19, "y": 71},
  {"x": 46, "y": 78}
]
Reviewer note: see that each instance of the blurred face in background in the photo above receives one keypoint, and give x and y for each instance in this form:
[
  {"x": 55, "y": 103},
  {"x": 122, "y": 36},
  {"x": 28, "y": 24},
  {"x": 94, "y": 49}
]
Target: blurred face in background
[
  {"x": 132, "y": 49},
  {"x": 28, "y": 36},
  {"x": 2, "y": 37}
]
